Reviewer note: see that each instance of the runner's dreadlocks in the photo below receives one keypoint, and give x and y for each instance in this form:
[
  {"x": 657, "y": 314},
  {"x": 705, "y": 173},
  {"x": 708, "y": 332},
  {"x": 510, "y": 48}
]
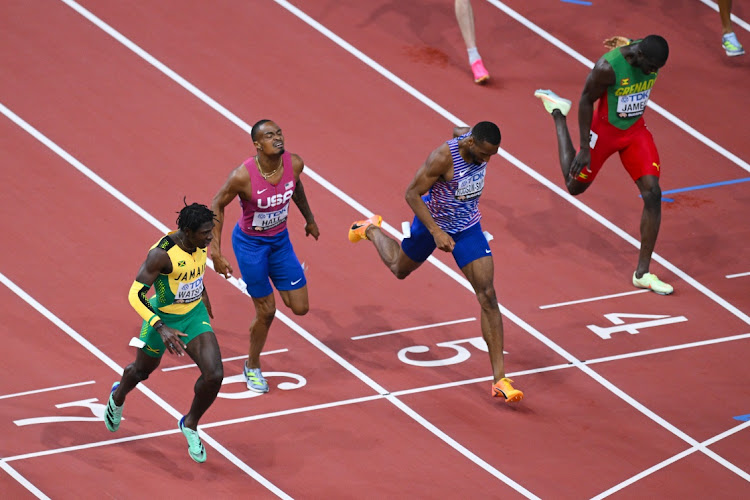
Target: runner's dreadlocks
[{"x": 194, "y": 216}]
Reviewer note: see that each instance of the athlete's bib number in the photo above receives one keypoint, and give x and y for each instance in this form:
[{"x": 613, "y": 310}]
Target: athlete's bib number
[
  {"x": 470, "y": 187},
  {"x": 189, "y": 292},
  {"x": 632, "y": 105},
  {"x": 266, "y": 220}
]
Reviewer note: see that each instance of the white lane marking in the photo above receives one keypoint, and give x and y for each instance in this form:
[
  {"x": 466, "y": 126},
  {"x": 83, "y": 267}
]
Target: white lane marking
[
  {"x": 223, "y": 360},
  {"x": 22, "y": 480},
  {"x": 593, "y": 299},
  {"x": 47, "y": 389},
  {"x": 413, "y": 328}
]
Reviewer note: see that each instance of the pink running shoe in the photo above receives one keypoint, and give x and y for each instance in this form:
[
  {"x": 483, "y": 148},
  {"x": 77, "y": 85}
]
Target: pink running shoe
[{"x": 481, "y": 75}]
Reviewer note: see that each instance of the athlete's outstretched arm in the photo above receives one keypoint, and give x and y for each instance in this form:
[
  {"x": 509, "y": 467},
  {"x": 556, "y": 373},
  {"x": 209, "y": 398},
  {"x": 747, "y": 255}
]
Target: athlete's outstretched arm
[
  {"x": 601, "y": 77},
  {"x": 300, "y": 199},
  {"x": 238, "y": 180},
  {"x": 433, "y": 169}
]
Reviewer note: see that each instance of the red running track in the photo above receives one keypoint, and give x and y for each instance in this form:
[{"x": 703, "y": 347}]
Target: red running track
[{"x": 648, "y": 414}]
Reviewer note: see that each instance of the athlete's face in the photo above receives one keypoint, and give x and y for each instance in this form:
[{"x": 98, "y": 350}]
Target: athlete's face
[
  {"x": 482, "y": 151},
  {"x": 269, "y": 139},
  {"x": 647, "y": 64},
  {"x": 203, "y": 236}
]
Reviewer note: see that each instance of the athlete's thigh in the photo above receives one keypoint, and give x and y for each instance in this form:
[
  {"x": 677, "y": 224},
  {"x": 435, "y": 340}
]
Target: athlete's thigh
[
  {"x": 295, "y": 299},
  {"x": 252, "y": 254},
  {"x": 603, "y": 144},
  {"x": 146, "y": 363},
  {"x": 284, "y": 267},
  {"x": 204, "y": 350},
  {"x": 471, "y": 244},
  {"x": 640, "y": 157},
  {"x": 416, "y": 248},
  {"x": 480, "y": 273}
]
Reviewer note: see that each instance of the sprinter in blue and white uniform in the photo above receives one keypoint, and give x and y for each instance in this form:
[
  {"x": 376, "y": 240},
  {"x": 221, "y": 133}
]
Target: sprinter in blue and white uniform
[{"x": 444, "y": 196}]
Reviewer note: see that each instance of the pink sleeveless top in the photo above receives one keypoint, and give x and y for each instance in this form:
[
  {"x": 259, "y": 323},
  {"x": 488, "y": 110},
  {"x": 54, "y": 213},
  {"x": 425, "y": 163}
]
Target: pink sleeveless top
[{"x": 266, "y": 212}]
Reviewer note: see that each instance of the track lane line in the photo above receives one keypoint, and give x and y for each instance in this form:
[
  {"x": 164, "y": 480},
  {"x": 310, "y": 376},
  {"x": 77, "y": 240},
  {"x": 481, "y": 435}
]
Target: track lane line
[
  {"x": 47, "y": 389},
  {"x": 22, "y": 480}
]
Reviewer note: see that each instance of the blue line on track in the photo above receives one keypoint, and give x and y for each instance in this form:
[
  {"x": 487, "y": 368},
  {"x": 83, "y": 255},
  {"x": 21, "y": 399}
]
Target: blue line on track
[
  {"x": 578, "y": 2},
  {"x": 742, "y": 418},
  {"x": 702, "y": 186}
]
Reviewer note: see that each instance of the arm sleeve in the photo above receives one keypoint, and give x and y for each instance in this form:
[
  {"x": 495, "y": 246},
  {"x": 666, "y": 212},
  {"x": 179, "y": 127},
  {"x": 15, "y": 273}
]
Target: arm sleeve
[{"x": 137, "y": 299}]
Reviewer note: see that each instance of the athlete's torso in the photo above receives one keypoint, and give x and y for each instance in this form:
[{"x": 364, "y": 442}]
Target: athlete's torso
[
  {"x": 180, "y": 291},
  {"x": 454, "y": 204},
  {"x": 625, "y": 102},
  {"x": 266, "y": 212}
]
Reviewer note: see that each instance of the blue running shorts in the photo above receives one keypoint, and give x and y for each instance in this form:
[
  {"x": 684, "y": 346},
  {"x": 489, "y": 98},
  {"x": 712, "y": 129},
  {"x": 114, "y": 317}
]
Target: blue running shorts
[
  {"x": 470, "y": 244},
  {"x": 264, "y": 257}
]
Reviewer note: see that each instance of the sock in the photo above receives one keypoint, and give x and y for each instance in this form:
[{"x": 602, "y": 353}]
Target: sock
[{"x": 473, "y": 55}]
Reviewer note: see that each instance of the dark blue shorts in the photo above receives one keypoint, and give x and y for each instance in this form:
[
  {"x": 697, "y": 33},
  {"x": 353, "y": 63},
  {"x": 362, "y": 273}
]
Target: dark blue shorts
[
  {"x": 264, "y": 257},
  {"x": 470, "y": 244}
]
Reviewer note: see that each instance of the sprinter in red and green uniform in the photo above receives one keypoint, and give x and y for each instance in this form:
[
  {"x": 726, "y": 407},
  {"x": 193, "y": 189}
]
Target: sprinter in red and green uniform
[{"x": 621, "y": 81}]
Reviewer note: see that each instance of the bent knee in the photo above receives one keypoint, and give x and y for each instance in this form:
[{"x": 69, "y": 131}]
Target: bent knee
[
  {"x": 652, "y": 196},
  {"x": 300, "y": 309},
  {"x": 141, "y": 375},
  {"x": 400, "y": 273},
  {"x": 214, "y": 375},
  {"x": 265, "y": 315},
  {"x": 487, "y": 298},
  {"x": 575, "y": 188}
]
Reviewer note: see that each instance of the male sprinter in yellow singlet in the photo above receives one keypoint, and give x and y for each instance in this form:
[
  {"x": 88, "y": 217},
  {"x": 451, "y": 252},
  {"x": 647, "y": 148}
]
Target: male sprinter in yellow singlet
[
  {"x": 175, "y": 320},
  {"x": 621, "y": 81}
]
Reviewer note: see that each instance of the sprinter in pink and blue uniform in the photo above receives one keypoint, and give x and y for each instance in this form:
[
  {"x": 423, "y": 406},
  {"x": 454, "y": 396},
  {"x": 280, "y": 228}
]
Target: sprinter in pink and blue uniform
[{"x": 265, "y": 184}]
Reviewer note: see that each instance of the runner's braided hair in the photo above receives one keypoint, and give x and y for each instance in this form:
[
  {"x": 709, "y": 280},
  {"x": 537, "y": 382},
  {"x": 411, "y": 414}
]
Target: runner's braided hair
[{"x": 194, "y": 216}]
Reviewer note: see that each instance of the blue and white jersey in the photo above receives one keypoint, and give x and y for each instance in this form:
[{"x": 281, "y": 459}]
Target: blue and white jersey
[{"x": 455, "y": 204}]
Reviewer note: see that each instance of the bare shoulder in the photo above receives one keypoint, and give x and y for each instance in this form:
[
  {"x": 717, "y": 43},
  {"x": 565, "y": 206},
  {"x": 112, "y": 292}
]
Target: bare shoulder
[
  {"x": 239, "y": 178},
  {"x": 459, "y": 131},
  {"x": 440, "y": 160},
  {"x": 158, "y": 260},
  {"x": 603, "y": 72},
  {"x": 297, "y": 164},
  {"x": 237, "y": 183}
]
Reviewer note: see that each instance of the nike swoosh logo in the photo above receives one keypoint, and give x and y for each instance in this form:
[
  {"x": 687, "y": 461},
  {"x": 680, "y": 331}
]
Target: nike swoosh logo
[
  {"x": 295, "y": 282},
  {"x": 207, "y": 323},
  {"x": 488, "y": 251},
  {"x": 262, "y": 191}
]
